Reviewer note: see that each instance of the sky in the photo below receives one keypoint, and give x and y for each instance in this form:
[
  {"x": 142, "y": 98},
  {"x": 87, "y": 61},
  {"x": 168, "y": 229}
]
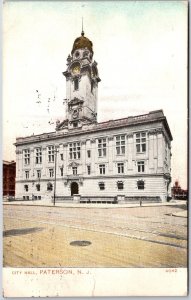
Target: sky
[{"x": 141, "y": 51}]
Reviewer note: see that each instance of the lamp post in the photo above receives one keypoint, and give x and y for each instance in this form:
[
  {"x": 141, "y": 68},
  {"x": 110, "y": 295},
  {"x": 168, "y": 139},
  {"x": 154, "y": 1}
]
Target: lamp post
[{"x": 55, "y": 157}]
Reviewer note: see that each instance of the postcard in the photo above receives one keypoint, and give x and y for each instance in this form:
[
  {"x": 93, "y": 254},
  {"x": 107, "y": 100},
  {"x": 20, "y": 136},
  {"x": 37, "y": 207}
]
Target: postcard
[{"x": 95, "y": 133}]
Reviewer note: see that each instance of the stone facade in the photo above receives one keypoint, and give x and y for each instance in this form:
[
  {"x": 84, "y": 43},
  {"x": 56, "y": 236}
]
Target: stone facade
[{"x": 120, "y": 160}]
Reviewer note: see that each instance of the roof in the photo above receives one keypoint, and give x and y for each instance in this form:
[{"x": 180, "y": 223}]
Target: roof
[
  {"x": 151, "y": 117},
  {"x": 82, "y": 42}
]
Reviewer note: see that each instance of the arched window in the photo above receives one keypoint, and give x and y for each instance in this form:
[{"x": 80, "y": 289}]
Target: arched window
[
  {"x": 120, "y": 185},
  {"x": 76, "y": 84},
  {"x": 85, "y": 53},
  {"x": 92, "y": 86},
  {"x": 101, "y": 185},
  {"x": 38, "y": 187},
  {"x": 49, "y": 186}
]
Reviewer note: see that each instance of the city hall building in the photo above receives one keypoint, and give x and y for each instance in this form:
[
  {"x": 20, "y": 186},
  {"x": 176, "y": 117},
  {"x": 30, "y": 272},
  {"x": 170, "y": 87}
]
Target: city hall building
[{"x": 117, "y": 161}]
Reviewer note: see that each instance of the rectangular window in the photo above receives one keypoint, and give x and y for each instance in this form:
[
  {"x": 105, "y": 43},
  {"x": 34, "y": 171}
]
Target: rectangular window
[
  {"x": 102, "y": 147},
  {"x": 61, "y": 171},
  {"x": 39, "y": 197},
  {"x": 74, "y": 170},
  {"x": 101, "y": 185},
  {"x": 38, "y": 153},
  {"x": 120, "y": 144},
  {"x": 27, "y": 156},
  {"x": 61, "y": 156},
  {"x": 26, "y": 187},
  {"x": 51, "y": 153},
  {"x": 38, "y": 173},
  {"x": 120, "y": 168},
  {"x": 141, "y": 142},
  {"x": 88, "y": 153},
  {"x": 102, "y": 169},
  {"x": 141, "y": 166},
  {"x": 140, "y": 185},
  {"x": 26, "y": 174},
  {"x": 89, "y": 170},
  {"x": 51, "y": 172},
  {"x": 74, "y": 150}
]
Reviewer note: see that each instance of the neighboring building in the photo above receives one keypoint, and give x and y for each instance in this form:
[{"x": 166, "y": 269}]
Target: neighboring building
[
  {"x": 178, "y": 192},
  {"x": 9, "y": 173},
  {"x": 127, "y": 158}
]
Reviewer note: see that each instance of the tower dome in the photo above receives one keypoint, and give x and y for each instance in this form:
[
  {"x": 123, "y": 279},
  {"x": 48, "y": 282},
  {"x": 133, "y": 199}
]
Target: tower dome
[{"x": 82, "y": 42}]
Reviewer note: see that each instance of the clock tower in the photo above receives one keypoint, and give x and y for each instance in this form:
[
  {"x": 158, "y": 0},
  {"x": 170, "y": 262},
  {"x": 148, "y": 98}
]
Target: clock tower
[{"x": 81, "y": 84}]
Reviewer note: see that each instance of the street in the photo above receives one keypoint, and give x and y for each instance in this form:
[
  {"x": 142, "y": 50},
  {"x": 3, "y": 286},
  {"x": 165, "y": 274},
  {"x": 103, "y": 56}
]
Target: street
[{"x": 40, "y": 236}]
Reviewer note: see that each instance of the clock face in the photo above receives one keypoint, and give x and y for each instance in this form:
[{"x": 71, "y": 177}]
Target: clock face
[{"x": 76, "y": 70}]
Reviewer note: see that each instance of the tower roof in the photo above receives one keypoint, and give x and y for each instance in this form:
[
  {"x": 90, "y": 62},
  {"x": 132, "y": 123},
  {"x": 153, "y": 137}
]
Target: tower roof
[{"x": 82, "y": 42}]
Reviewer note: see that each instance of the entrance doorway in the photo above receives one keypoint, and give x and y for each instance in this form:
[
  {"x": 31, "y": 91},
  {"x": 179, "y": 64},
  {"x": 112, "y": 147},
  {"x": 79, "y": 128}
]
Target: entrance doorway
[{"x": 74, "y": 188}]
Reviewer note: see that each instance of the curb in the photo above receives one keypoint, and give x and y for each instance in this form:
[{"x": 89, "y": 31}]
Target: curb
[{"x": 98, "y": 206}]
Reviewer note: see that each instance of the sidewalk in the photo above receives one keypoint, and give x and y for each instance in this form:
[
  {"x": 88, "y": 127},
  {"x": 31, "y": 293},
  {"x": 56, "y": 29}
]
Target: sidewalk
[{"x": 92, "y": 205}]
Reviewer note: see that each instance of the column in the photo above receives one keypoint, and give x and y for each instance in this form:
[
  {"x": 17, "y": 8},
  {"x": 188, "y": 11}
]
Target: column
[
  {"x": 94, "y": 153},
  {"x": 111, "y": 152},
  {"x": 130, "y": 151}
]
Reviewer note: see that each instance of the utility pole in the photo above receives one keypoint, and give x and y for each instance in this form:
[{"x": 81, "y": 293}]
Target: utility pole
[{"x": 55, "y": 157}]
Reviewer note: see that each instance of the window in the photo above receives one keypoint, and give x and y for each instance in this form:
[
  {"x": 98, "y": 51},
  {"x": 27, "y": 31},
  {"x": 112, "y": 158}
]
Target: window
[
  {"x": 74, "y": 150},
  {"x": 102, "y": 169},
  {"x": 49, "y": 186},
  {"x": 141, "y": 166},
  {"x": 77, "y": 54},
  {"x": 141, "y": 142},
  {"x": 120, "y": 185},
  {"x": 61, "y": 156},
  {"x": 51, "y": 172},
  {"x": 51, "y": 153},
  {"x": 61, "y": 171},
  {"x": 26, "y": 174},
  {"x": 92, "y": 86},
  {"x": 38, "y": 155},
  {"x": 120, "y": 144},
  {"x": 140, "y": 184},
  {"x": 101, "y": 185},
  {"x": 88, "y": 153},
  {"x": 85, "y": 53},
  {"x": 39, "y": 197},
  {"x": 38, "y": 187},
  {"x": 75, "y": 124},
  {"x": 26, "y": 187},
  {"x": 101, "y": 147},
  {"x": 27, "y": 156},
  {"x": 38, "y": 173},
  {"x": 120, "y": 168},
  {"x": 74, "y": 170},
  {"x": 76, "y": 84},
  {"x": 89, "y": 170}
]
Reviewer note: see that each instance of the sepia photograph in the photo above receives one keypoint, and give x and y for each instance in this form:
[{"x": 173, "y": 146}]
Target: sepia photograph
[{"x": 95, "y": 148}]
